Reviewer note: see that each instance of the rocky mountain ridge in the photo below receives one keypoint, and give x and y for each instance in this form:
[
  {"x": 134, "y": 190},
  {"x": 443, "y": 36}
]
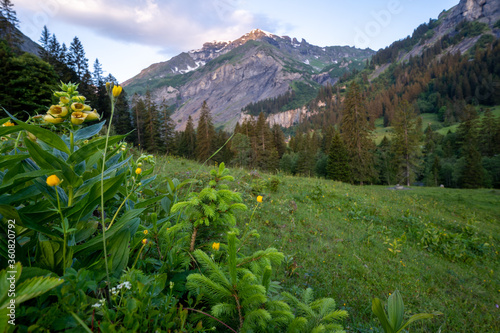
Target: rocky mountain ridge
[{"x": 230, "y": 75}]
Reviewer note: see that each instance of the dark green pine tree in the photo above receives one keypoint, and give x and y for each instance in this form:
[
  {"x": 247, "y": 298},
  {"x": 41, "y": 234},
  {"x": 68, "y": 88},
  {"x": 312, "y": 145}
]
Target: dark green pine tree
[
  {"x": 266, "y": 153},
  {"x": 122, "y": 119},
  {"x": 488, "y": 136},
  {"x": 225, "y": 153},
  {"x": 472, "y": 174},
  {"x": 337, "y": 167},
  {"x": 167, "y": 129},
  {"x": 77, "y": 60},
  {"x": 278, "y": 140},
  {"x": 205, "y": 135},
  {"x": 138, "y": 112},
  {"x": 26, "y": 83},
  {"x": 9, "y": 24},
  {"x": 187, "y": 141},
  {"x": 356, "y": 133},
  {"x": 152, "y": 131},
  {"x": 242, "y": 149},
  {"x": 385, "y": 162},
  {"x": 407, "y": 141}
]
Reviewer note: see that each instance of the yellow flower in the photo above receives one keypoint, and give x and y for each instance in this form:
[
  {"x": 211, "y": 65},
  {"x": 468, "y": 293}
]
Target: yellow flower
[
  {"x": 78, "y": 107},
  {"x": 92, "y": 115},
  {"x": 53, "y": 180},
  {"x": 145, "y": 232},
  {"x": 57, "y": 110},
  {"x": 138, "y": 171},
  {"x": 64, "y": 99},
  {"x": 117, "y": 90},
  {"x": 144, "y": 241},
  {"x": 216, "y": 246},
  {"x": 259, "y": 198},
  {"x": 77, "y": 118},
  {"x": 8, "y": 124},
  {"x": 52, "y": 119}
]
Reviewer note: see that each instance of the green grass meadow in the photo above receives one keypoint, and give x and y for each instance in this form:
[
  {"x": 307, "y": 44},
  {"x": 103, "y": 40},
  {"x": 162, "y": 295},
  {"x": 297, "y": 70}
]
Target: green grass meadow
[{"x": 437, "y": 246}]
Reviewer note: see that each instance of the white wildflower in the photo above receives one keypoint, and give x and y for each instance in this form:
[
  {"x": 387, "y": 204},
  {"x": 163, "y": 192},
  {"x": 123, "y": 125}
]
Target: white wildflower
[{"x": 125, "y": 284}]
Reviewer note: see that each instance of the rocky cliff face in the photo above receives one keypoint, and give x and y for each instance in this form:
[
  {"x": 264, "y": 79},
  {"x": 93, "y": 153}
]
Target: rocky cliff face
[
  {"x": 484, "y": 11},
  {"x": 230, "y": 75}
]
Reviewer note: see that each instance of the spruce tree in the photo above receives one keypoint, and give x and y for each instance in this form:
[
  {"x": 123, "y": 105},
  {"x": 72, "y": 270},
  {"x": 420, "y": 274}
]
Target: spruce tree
[
  {"x": 205, "y": 135},
  {"x": 406, "y": 142},
  {"x": 356, "y": 134},
  {"x": 472, "y": 175},
  {"x": 167, "y": 129},
  {"x": 152, "y": 142},
  {"x": 139, "y": 110},
  {"x": 187, "y": 143},
  {"x": 9, "y": 24},
  {"x": 337, "y": 167}
]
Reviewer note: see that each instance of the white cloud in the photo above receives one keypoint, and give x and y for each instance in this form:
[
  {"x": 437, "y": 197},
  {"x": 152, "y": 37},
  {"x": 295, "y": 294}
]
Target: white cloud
[{"x": 175, "y": 25}]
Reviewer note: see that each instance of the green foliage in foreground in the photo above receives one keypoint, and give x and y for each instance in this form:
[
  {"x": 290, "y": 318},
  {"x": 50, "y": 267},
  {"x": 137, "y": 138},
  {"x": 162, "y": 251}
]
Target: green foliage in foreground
[{"x": 337, "y": 240}]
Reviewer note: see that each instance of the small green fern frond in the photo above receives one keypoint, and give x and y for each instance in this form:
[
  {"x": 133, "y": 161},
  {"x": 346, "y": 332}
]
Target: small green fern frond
[
  {"x": 254, "y": 301},
  {"x": 335, "y": 316},
  {"x": 298, "y": 325},
  {"x": 319, "y": 329},
  {"x": 334, "y": 328},
  {"x": 180, "y": 205},
  {"x": 224, "y": 310},
  {"x": 213, "y": 291},
  {"x": 323, "y": 306},
  {"x": 308, "y": 296},
  {"x": 256, "y": 319},
  {"x": 238, "y": 206},
  {"x": 276, "y": 305},
  {"x": 213, "y": 269}
]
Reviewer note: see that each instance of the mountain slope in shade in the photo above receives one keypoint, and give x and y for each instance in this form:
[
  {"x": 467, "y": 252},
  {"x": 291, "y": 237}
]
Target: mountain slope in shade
[{"x": 230, "y": 75}]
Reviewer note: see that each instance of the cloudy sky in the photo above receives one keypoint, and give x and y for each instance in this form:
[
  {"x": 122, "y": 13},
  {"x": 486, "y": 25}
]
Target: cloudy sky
[{"x": 129, "y": 35}]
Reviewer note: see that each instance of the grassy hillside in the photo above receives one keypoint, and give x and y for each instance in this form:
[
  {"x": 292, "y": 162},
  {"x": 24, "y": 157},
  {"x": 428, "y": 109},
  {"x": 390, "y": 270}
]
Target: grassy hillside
[{"x": 438, "y": 246}]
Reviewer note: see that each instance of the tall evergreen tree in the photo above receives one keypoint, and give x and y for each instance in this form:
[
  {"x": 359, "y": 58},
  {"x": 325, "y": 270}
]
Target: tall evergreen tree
[
  {"x": 9, "y": 24},
  {"x": 337, "y": 167},
  {"x": 407, "y": 140},
  {"x": 122, "y": 119},
  {"x": 45, "y": 42},
  {"x": 472, "y": 174},
  {"x": 167, "y": 129},
  {"x": 152, "y": 131},
  {"x": 77, "y": 60},
  {"x": 187, "y": 142},
  {"x": 205, "y": 134},
  {"x": 139, "y": 110},
  {"x": 356, "y": 134}
]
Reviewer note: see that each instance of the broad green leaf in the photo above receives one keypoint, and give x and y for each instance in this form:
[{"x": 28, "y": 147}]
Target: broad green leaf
[
  {"x": 118, "y": 250},
  {"x": 93, "y": 198},
  {"x": 126, "y": 221},
  {"x": 8, "y": 160},
  {"x": 395, "y": 309},
  {"x": 46, "y": 160},
  {"x": 9, "y": 130},
  {"x": 88, "y": 150},
  {"x": 148, "y": 202},
  {"x": 25, "y": 221},
  {"x": 47, "y": 254},
  {"x": 89, "y": 131},
  {"x": 23, "y": 178},
  {"x": 90, "y": 182},
  {"x": 49, "y": 137},
  {"x": 35, "y": 287},
  {"x": 416, "y": 317},
  {"x": 378, "y": 310}
]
